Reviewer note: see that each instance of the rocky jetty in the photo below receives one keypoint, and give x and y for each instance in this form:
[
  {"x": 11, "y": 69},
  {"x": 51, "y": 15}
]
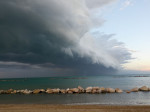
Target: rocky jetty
[{"x": 78, "y": 90}]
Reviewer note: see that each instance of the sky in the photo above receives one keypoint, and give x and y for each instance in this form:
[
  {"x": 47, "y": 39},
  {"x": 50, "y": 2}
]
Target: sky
[
  {"x": 129, "y": 21},
  {"x": 73, "y": 37}
]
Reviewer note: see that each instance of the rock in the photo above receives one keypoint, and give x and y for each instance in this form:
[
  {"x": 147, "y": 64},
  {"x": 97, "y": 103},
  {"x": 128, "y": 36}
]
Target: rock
[
  {"x": 110, "y": 90},
  {"x": 14, "y": 92},
  {"x": 27, "y": 92},
  {"x": 75, "y": 90},
  {"x": 103, "y": 90},
  {"x": 144, "y": 88},
  {"x": 1, "y": 91},
  {"x": 69, "y": 91},
  {"x": 117, "y": 90},
  {"x": 19, "y": 91},
  {"x": 36, "y": 91},
  {"x": 134, "y": 90},
  {"x": 63, "y": 91},
  {"x": 49, "y": 91},
  {"x": 128, "y": 91},
  {"x": 81, "y": 90},
  {"x": 8, "y": 91},
  {"x": 96, "y": 90},
  {"x": 56, "y": 90},
  {"x": 89, "y": 89},
  {"x": 4, "y": 92},
  {"x": 42, "y": 90}
]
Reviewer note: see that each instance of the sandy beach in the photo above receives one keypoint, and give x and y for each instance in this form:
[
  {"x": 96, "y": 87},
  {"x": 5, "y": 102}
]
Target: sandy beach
[{"x": 70, "y": 108}]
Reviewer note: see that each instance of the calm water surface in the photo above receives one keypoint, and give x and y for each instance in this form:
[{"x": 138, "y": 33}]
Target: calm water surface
[{"x": 124, "y": 82}]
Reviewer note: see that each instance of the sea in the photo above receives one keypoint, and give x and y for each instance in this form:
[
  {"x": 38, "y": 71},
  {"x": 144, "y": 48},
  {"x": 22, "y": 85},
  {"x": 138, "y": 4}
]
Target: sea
[{"x": 124, "y": 82}]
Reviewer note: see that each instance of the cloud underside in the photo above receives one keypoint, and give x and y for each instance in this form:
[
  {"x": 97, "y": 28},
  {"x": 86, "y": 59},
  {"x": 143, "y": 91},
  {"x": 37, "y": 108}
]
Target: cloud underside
[{"x": 56, "y": 34}]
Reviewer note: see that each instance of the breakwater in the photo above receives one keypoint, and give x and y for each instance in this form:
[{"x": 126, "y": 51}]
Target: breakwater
[{"x": 78, "y": 90}]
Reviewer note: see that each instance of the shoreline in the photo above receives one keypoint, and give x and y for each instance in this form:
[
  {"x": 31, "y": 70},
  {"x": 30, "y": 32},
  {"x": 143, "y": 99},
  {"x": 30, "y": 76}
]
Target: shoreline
[
  {"x": 76, "y": 104},
  {"x": 72, "y": 108}
]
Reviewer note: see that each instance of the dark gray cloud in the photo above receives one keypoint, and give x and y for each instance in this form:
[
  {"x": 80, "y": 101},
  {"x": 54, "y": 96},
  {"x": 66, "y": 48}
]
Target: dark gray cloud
[{"x": 55, "y": 34}]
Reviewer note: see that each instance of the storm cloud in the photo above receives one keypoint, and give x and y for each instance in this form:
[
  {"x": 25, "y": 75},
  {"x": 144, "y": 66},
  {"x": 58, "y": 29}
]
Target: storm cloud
[{"x": 58, "y": 34}]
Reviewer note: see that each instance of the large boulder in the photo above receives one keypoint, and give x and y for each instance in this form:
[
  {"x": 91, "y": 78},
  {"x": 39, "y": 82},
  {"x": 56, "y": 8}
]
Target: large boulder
[
  {"x": 144, "y": 88},
  {"x": 42, "y": 90},
  {"x": 14, "y": 92},
  {"x": 117, "y": 90},
  {"x": 49, "y": 91},
  {"x": 63, "y": 91},
  {"x": 103, "y": 90},
  {"x": 20, "y": 91},
  {"x": 9, "y": 91},
  {"x": 75, "y": 90},
  {"x": 96, "y": 90},
  {"x": 27, "y": 91},
  {"x": 69, "y": 91},
  {"x": 110, "y": 90},
  {"x": 56, "y": 90},
  {"x": 81, "y": 90},
  {"x": 1, "y": 91},
  {"x": 136, "y": 89},
  {"x": 93, "y": 91},
  {"x": 36, "y": 91},
  {"x": 88, "y": 89}
]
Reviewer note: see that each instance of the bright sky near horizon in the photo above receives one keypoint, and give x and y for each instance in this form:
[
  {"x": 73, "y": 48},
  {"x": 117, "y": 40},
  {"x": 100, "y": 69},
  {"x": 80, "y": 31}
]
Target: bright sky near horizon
[{"x": 129, "y": 20}]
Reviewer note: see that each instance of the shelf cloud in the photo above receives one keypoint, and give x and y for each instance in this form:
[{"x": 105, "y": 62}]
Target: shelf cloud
[{"x": 58, "y": 34}]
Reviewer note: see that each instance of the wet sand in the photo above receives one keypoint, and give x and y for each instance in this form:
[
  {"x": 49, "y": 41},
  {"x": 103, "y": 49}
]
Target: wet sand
[{"x": 70, "y": 108}]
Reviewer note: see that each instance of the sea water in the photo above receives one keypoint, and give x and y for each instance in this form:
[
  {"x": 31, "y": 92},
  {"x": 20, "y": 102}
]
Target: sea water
[{"x": 124, "y": 82}]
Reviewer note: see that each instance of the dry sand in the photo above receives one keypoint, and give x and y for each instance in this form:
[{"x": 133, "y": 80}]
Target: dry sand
[{"x": 70, "y": 108}]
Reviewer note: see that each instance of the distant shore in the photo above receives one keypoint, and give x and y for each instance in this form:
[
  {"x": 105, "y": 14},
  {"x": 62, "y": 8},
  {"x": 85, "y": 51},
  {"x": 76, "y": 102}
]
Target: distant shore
[{"x": 71, "y": 108}]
